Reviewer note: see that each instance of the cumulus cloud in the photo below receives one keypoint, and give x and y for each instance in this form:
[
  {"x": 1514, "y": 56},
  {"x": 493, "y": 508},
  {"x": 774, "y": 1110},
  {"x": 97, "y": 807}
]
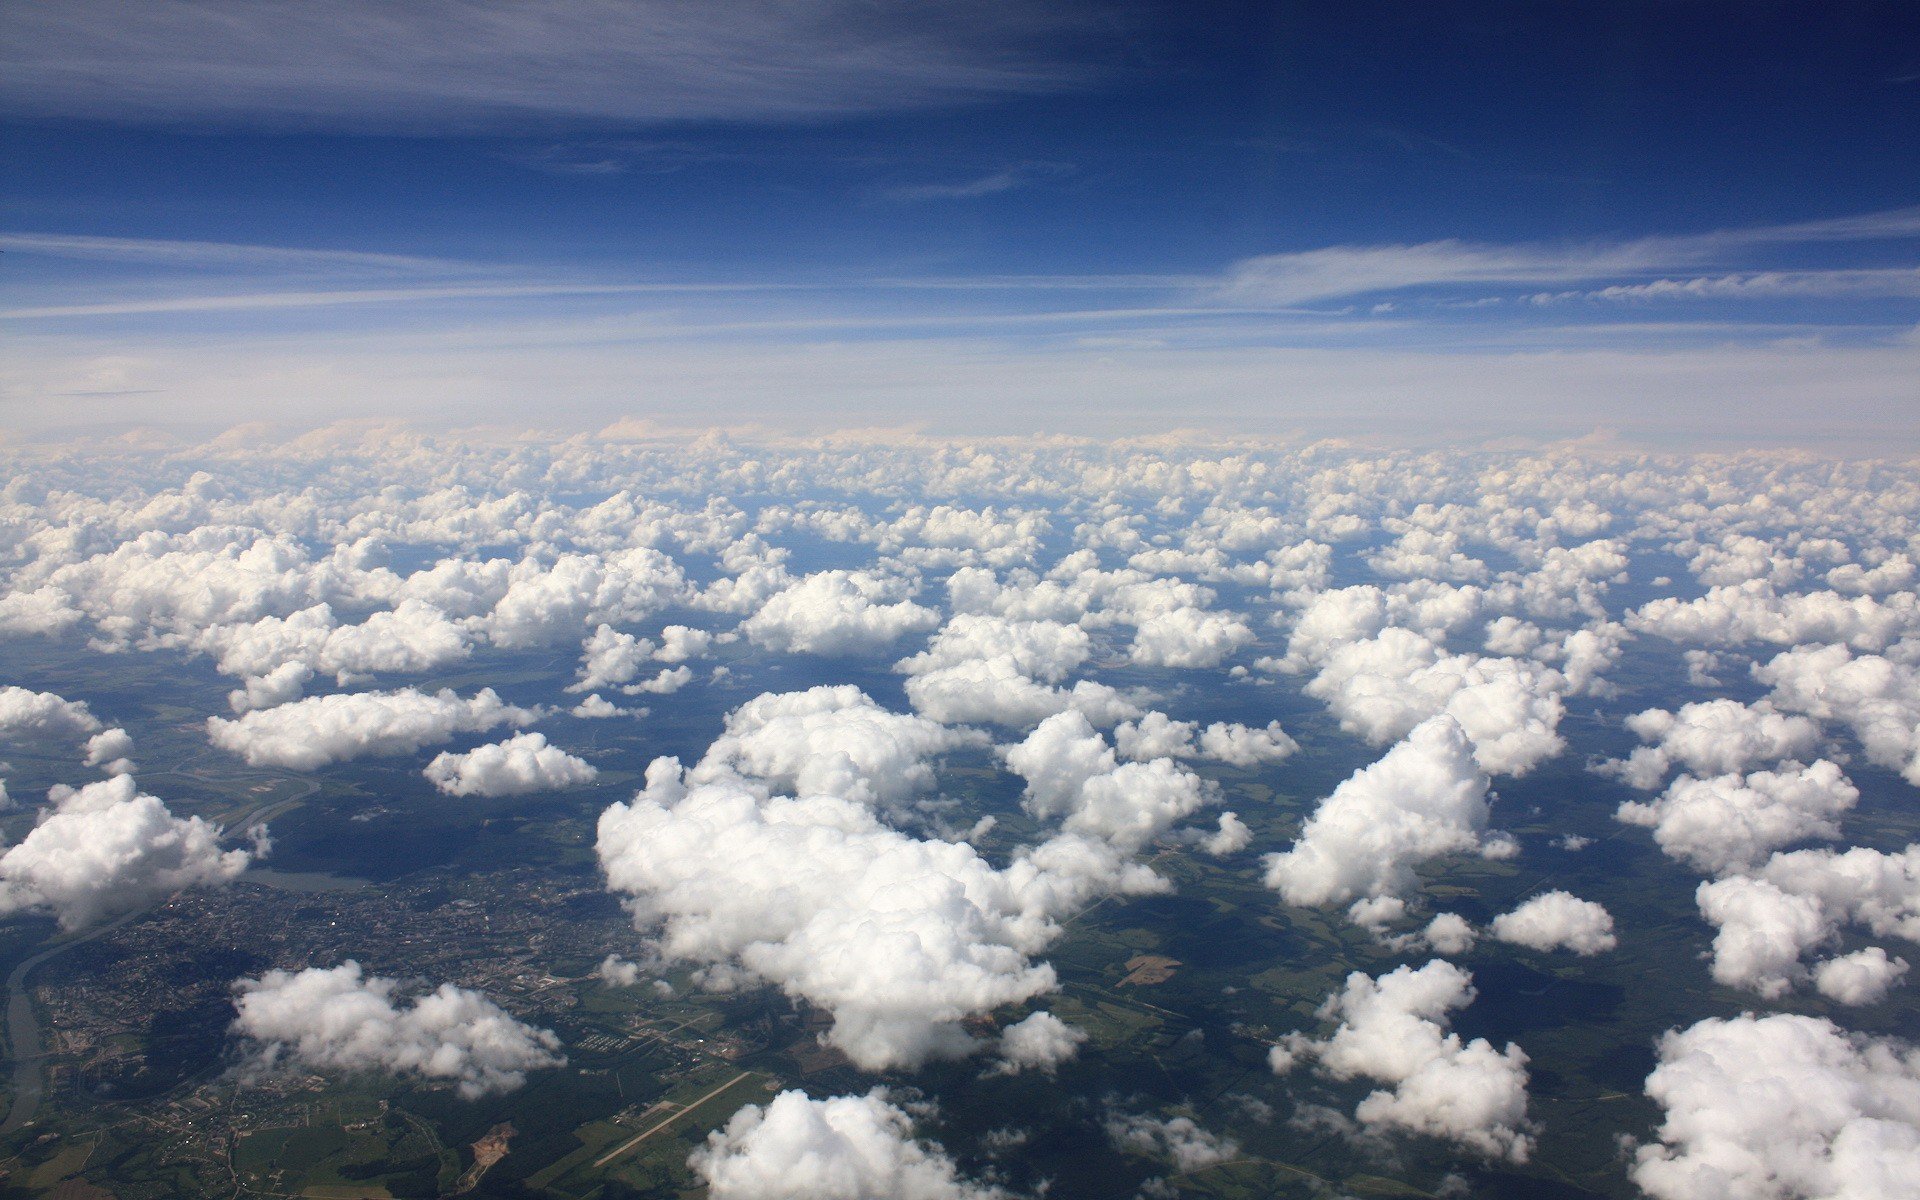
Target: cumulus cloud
[
  {"x": 1763, "y": 932},
  {"x": 1449, "y": 933},
  {"x": 1188, "y": 637},
  {"x": 1426, "y": 798},
  {"x": 1730, "y": 821},
  {"x": 1246, "y": 745},
  {"x": 899, "y": 938},
  {"x": 838, "y": 1148},
  {"x": 29, "y": 714},
  {"x": 1877, "y": 697},
  {"x": 308, "y": 734},
  {"x": 598, "y": 708},
  {"x": 1718, "y": 737},
  {"x": 981, "y": 669},
  {"x": 830, "y": 741},
  {"x": 1754, "y": 611},
  {"x": 1557, "y": 920},
  {"x": 520, "y": 764},
  {"x": 1039, "y": 1042},
  {"x": 1782, "y": 1107},
  {"x": 1863, "y": 977},
  {"x": 339, "y": 1019},
  {"x": 1178, "y": 1139},
  {"x": 109, "y": 750},
  {"x": 1381, "y": 687},
  {"x": 108, "y": 848},
  {"x": 618, "y": 972},
  {"x": 1072, "y": 774},
  {"x": 1799, "y": 901},
  {"x": 1393, "y": 1029},
  {"x": 838, "y": 613},
  {"x": 609, "y": 658}
]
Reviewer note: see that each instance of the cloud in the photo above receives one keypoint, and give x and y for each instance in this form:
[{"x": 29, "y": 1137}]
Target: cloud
[
  {"x": 521, "y": 764},
  {"x": 1782, "y": 1107},
  {"x": 1393, "y": 1029},
  {"x": 218, "y": 255},
  {"x": 441, "y": 67},
  {"x": 901, "y": 939},
  {"x": 1716, "y": 737},
  {"x": 1863, "y": 977},
  {"x": 338, "y": 1019},
  {"x": 1188, "y": 637},
  {"x": 1342, "y": 272},
  {"x": 1878, "y": 697},
  {"x": 1763, "y": 930},
  {"x": 981, "y": 669},
  {"x": 1426, "y": 798},
  {"x": 1553, "y": 921},
  {"x": 839, "y": 1148},
  {"x": 309, "y": 734},
  {"x": 1381, "y": 687},
  {"x": 832, "y": 741},
  {"x": 109, "y": 848},
  {"x": 1732, "y": 821},
  {"x": 31, "y": 714},
  {"x": 1039, "y": 1042},
  {"x": 1007, "y": 179},
  {"x": 837, "y": 613},
  {"x": 1178, "y": 1139},
  {"x": 1072, "y": 774}
]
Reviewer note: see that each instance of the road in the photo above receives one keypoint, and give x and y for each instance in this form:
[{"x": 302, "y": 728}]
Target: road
[{"x": 630, "y": 1143}]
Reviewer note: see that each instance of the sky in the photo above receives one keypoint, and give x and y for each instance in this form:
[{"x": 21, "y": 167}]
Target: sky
[{"x": 1685, "y": 224}]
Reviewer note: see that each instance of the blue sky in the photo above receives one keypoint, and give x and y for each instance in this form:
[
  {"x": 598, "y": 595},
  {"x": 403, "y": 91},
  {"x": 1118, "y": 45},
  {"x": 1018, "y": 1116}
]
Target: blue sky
[{"x": 1690, "y": 223}]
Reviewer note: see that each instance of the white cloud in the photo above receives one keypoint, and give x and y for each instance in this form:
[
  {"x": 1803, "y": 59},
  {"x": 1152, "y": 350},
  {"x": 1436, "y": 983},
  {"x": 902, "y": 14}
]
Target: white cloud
[
  {"x": 1877, "y": 697},
  {"x": 29, "y": 714},
  {"x": 832, "y": 741},
  {"x": 1557, "y": 920},
  {"x": 837, "y": 613},
  {"x": 1730, "y": 821},
  {"x": 109, "y": 750},
  {"x": 1799, "y": 901},
  {"x": 1178, "y": 1139},
  {"x": 1072, "y": 774},
  {"x": 109, "y": 848},
  {"x": 618, "y": 972},
  {"x": 597, "y": 707},
  {"x": 1246, "y": 745},
  {"x": 337, "y": 1019},
  {"x": 1763, "y": 931},
  {"x": 1449, "y": 933},
  {"x": 1717, "y": 737},
  {"x": 493, "y": 67},
  {"x": 1782, "y": 1107},
  {"x": 900, "y": 939},
  {"x": 1426, "y": 798},
  {"x": 1188, "y": 637},
  {"x": 1039, "y": 1042},
  {"x": 1381, "y": 687},
  {"x": 308, "y": 734},
  {"x": 1863, "y": 977},
  {"x": 521, "y": 764},
  {"x": 1393, "y": 1029},
  {"x": 839, "y": 1148}
]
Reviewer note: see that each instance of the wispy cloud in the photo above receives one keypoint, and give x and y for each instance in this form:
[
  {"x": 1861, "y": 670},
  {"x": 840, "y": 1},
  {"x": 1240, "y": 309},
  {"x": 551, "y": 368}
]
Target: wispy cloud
[
  {"x": 487, "y": 65},
  {"x": 1344, "y": 272},
  {"x": 260, "y": 301},
  {"x": 221, "y": 255},
  {"x": 993, "y": 183}
]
